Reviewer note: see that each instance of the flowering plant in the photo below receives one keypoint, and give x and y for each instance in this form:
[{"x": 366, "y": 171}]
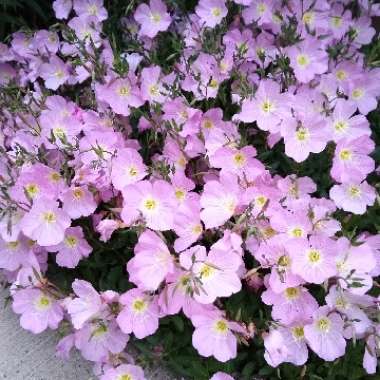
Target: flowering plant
[{"x": 196, "y": 180}]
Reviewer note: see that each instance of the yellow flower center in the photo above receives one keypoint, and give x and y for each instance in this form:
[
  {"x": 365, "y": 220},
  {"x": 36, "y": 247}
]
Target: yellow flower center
[
  {"x": 221, "y": 326},
  {"x": 354, "y": 191},
  {"x": 292, "y": 293},
  {"x": 336, "y": 21},
  {"x": 298, "y": 332},
  {"x": 261, "y": 200},
  {"x": 314, "y": 256},
  {"x": 78, "y": 193},
  {"x": 267, "y": 106},
  {"x": 155, "y": 17},
  {"x": 207, "y": 271},
  {"x": 49, "y": 217},
  {"x": 308, "y": 17},
  {"x": 139, "y": 305},
  {"x": 132, "y": 171},
  {"x": 261, "y": 8},
  {"x": 59, "y": 74},
  {"x": 92, "y": 9},
  {"x": 13, "y": 244},
  {"x": 55, "y": 177},
  {"x": 32, "y": 189},
  {"x": 214, "y": 83},
  {"x": 341, "y": 303},
  {"x": 153, "y": 90},
  {"x": 208, "y": 124},
  {"x": 240, "y": 159},
  {"x": 303, "y": 60},
  {"x": 341, "y": 74},
  {"x": 126, "y": 376},
  {"x": 197, "y": 229},
  {"x": 323, "y": 324},
  {"x": 150, "y": 204},
  {"x": 296, "y": 232},
  {"x": 71, "y": 241},
  {"x": 302, "y": 134},
  {"x": 216, "y": 12},
  {"x": 357, "y": 93},
  {"x": 283, "y": 261},
  {"x": 100, "y": 331},
  {"x": 268, "y": 232},
  {"x": 293, "y": 190},
  {"x": 182, "y": 161},
  {"x": 43, "y": 303},
  {"x": 345, "y": 154},
  {"x": 340, "y": 126},
  {"x": 180, "y": 194},
  {"x": 59, "y": 132},
  {"x": 184, "y": 281},
  {"x": 124, "y": 91}
]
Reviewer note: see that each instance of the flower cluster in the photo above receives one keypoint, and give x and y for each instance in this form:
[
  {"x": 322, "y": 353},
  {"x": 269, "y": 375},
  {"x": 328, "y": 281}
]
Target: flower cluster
[{"x": 97, "y": 140}]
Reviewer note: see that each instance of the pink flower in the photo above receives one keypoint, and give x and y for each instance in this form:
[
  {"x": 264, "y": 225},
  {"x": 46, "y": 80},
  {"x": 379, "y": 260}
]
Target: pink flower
[
  {"x": 259, "y": 11},
  {"x": 370, "y": 353},
  {"x": 38, "y": 310},
  {"x": 325, "y": 335},
  {"x": 78, "y": 201},
  {"x": 37, "y": 181},
  {"x": 45, "y": 222},
  {"x": 238, "y": 161},
  {"x": 55, "y": 73},
  {"x": 354, "y": 265},
  {"x": 120, "y": 94},
  {"x": 87, "y": 29},
  {"x": 60, "y": 129},
  {"x": 344, "y": 125},
  {"x": 351, "y": 161},
  {"x": 276, "y": 352},
  {"x": 73, "y": 248},
  {"x": 313, "y": 260},
  {"x": 363, "y": 93},
  {"x": 106, "y": 227},
  {"x": 353, "y": 196},
  {"x": 363, "y": 32},
  {"x": 294, "y": 340},
  {"x": 127, "y": 168},
  {"x": 291, "y": 305},
  {"x": 217, "y": 273},
  {"x": 153, "y": 18},
  {"x": 213, "y": 336},
  {"x": 211, "y": 12},
  {"x": 155, "y": 202},
  {"x": 124, "y": 372},
  {"x": 13, "y": 253},
  {"x": 87, "y": 8},
  {"x": 87, "y": 306},
  {"x": 219, "y": 201},
  {"x": 268, "y": 108},
  {"x": 295, "y": 187},
  {"x": 152, "y": 89},
  {"x": 139, "y": 314},
  {"x": 305, "y": 136},
  {"x": 97, "y": 340},
  {"x": 187, "y": 225},
  {"x": 62, "y": 8},
  {"x": 152, "y": 262},
  {"x": 307, "y": 61},
  {"x": 221, "y": 376},
  {"x": 350, "y": 305}
]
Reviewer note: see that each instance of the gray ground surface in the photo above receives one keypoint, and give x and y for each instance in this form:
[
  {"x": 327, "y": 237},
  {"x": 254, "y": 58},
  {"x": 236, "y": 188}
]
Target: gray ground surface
[{"x": 24, "y": 355}]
